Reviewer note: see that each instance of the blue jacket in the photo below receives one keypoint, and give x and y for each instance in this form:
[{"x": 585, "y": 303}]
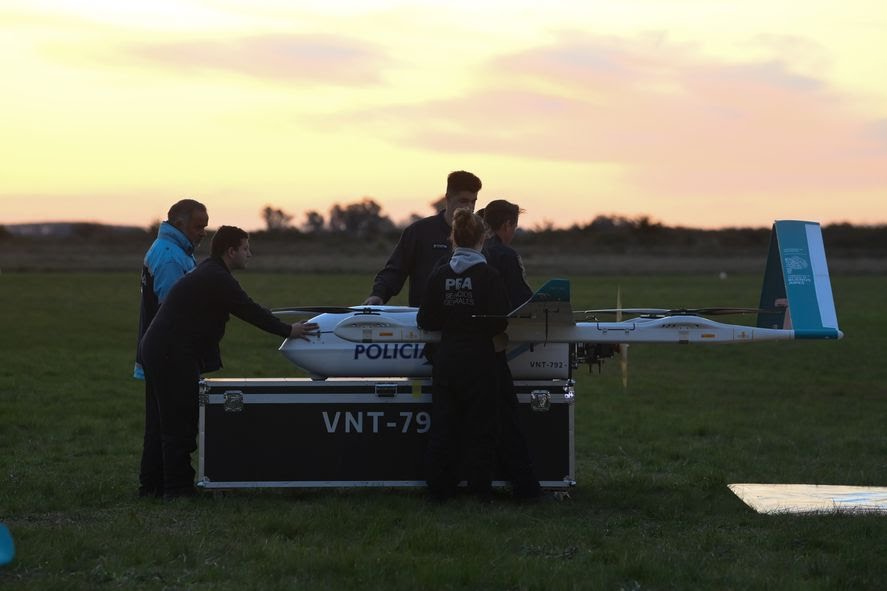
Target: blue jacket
[{"x": 168, "y": 260}]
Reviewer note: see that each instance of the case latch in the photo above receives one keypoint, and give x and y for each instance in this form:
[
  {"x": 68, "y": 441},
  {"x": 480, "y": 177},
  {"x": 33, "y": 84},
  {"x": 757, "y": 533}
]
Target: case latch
[
  {"x": 203, "y": 393},
  {"x": 570, "y": 392},
  {"x": 540, "y": 400},
  {"x": 386, "y": 390},
  {"x": 233, "y": 401}
]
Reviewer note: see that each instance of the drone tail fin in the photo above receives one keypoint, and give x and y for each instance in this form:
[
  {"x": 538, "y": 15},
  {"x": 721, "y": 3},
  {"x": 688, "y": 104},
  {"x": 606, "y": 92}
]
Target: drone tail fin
[
  {"x": 553, "y": 291},
  {"x": 796, "y": 279}
]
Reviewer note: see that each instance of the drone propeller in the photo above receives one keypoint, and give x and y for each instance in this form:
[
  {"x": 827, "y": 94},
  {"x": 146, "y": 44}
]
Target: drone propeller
[
  {"x": 312, "y": 310},
  {"x": 342, "y": 310},
  {"x": 659, "y": 312},
  {"x": 623, "y": 347}
]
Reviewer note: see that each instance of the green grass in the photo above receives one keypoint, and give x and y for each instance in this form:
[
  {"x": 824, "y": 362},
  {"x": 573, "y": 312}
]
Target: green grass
[{"x": 651, "y": 508}]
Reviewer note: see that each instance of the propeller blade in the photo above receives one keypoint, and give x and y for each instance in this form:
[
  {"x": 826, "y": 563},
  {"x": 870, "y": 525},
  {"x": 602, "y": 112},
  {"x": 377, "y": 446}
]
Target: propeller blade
[
  {"x": 623, "y": 347},
  {"x": 343, "y": 310},
  {"x": 312, "y": 310},
  {"x": 715, "y": 311},
  {"x": 623, "y": 364},
  {"x": 712, "y": 311},
  {"x": 619, "y": 311},
  {"x": 618, "y": 303}
]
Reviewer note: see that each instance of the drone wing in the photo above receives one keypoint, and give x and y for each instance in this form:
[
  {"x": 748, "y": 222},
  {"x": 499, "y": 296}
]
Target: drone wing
[{"x": 796, "y": 303}]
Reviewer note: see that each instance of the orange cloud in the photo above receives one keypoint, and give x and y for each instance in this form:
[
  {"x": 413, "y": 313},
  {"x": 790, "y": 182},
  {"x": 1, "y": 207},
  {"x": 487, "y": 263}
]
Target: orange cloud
[{"x": 677, "y": 122}]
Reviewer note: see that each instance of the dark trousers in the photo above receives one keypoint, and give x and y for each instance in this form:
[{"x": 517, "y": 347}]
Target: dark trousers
[
  {"x": 512, "y": 452},
  {"x": 462, "y": 440},
  {"x": 171, "y": 411}
]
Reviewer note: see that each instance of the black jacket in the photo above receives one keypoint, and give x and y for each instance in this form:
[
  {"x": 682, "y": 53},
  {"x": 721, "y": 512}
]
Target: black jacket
[
  {"x": 452, "y": 299},
  {"x": 193, "y": 317},
  {"x": 505, "y": 259},
  {"x": 420, "y": 247}
]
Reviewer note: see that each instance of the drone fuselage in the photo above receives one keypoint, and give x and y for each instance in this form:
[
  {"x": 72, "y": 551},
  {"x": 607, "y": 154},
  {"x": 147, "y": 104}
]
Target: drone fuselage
[{"x": 386, "y": 353}]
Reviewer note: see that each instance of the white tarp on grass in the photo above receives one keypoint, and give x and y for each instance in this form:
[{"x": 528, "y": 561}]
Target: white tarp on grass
[{"x": 810, "y": 498}]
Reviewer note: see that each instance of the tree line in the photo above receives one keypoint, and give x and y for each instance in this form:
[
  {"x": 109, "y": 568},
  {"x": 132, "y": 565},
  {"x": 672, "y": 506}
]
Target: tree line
[
  {"x": 364, "y": 220},
  {"x": 361, "y": 219}
]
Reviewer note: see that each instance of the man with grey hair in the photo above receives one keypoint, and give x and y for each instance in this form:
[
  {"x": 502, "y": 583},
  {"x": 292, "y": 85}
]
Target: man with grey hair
[{"x": 169, "y": 258}]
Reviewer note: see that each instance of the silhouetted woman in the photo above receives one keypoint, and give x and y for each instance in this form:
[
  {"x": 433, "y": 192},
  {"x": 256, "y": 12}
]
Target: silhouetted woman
[{"x": 462, "y": 439}]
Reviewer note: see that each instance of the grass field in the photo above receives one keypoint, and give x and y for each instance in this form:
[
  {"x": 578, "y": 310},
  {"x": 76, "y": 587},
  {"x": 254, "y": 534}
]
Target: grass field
[{"x": 651, "y": 509}]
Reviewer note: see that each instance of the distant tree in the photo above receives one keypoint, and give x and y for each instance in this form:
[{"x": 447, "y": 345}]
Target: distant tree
[
  {"x": 5, "y": 234},
  {"x": 646, "y": 225},
  {"x": 602, "y": 223},
  {"x": 546, "y": 225},
  {"x": 361, "y": 219},
  {"x": 313, "y": 222},
  {"x": 857, "y": 239},
  {"x": 276, "y": 219},
  {"x": 88, "y": 230}
]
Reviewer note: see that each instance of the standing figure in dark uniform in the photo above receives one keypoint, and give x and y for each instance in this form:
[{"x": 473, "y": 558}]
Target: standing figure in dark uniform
[
  {"x": 512, "y": 450},
  {"x": 181, "y": 343},
  {"x": 464, "y": 399},
  {"x": 423, "y": 244}
]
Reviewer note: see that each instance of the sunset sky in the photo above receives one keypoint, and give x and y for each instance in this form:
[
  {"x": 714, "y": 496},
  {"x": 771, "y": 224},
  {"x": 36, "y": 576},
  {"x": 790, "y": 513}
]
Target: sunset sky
[{"x": 700, "y": 113}]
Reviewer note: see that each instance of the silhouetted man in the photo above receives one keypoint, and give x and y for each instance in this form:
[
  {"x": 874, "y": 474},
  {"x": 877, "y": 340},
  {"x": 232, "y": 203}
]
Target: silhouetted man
[
  {"x": 423, "y": 243},
  {"x": 183, "y": 342}
]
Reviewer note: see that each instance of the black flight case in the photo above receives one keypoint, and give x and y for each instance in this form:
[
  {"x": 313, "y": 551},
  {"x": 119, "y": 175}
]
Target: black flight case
[{"x": 298, "y": 432}]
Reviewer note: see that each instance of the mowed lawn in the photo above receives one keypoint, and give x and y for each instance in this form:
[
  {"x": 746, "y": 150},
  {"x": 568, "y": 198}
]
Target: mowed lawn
[{"x": 651, "y": 509}]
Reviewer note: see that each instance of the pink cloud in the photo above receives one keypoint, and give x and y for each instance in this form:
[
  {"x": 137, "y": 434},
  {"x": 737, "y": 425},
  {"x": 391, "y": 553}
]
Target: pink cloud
[
  {"x": 679, "y": 123},
  {"x": 287, "y": 58}
]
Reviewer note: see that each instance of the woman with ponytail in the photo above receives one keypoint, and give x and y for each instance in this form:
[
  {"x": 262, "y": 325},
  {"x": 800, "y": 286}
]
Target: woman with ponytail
[{"x": 466, "y": 300}]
